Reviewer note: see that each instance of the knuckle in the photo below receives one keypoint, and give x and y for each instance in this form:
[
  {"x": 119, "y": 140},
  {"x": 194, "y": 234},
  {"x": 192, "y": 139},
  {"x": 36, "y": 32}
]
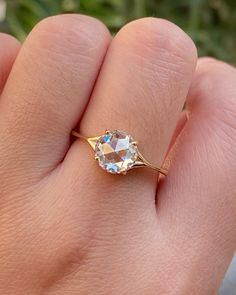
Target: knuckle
[
  {"x": 158, "y": 51},
  {"x": 214, "y": 84},
  {"x": 206, "y": 59},
  {"x": 211, "y": 66},
  {"x": 160, "y": 37},
  {"x": 68, "y": 34},
  {"x": 214, "y": 87}
]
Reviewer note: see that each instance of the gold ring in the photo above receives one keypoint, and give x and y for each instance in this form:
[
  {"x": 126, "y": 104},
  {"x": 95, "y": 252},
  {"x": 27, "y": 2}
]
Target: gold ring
[{"x": 117, "y": 152}]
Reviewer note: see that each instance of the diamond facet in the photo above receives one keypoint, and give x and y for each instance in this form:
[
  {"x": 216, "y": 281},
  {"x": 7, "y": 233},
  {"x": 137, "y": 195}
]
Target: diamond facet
[{"x": 116, "y": 151}]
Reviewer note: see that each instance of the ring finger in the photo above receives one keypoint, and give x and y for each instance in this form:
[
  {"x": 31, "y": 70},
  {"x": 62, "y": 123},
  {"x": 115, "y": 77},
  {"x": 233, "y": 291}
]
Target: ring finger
[{"x": 141, "y": 89}]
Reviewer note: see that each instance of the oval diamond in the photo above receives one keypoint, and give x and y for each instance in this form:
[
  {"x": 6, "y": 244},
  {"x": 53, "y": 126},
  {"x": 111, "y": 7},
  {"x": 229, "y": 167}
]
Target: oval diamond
[{"x": 116, "y": 151}]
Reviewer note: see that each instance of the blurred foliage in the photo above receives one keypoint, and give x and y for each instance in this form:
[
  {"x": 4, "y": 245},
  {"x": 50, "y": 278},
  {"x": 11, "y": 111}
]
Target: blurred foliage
[{"x": 212, "y": 23}]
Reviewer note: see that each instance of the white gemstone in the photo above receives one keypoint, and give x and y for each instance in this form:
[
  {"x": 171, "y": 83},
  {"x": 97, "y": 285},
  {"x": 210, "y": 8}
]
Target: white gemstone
[{"x": 116, "y": 151}]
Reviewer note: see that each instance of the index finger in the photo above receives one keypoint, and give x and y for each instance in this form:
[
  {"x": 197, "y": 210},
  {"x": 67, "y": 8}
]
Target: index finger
[{"x": 9, "y": 48}]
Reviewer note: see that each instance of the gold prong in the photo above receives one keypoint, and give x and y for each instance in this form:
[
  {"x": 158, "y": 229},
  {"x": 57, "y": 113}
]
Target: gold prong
[
  {"x": 107, "y": 131},
  {"x": 96, "y": 158},
  {"x": 93, "y": 141},
  {"x": 135, "y": 143}
]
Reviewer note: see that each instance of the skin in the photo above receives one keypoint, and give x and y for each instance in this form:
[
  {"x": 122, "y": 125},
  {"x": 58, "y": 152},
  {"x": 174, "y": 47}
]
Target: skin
[{"x": 66, "y": 226}]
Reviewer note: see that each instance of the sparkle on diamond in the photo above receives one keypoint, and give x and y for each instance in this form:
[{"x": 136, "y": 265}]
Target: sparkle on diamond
[{"x": 116, "y": 152}]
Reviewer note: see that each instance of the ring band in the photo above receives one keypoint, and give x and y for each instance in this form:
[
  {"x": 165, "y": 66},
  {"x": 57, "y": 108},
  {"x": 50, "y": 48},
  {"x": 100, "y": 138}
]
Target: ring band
[{"x": 117, "y": 152}]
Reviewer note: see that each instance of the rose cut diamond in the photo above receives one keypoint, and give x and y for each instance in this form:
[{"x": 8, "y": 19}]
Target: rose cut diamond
[{"x": 116, "y": 151}]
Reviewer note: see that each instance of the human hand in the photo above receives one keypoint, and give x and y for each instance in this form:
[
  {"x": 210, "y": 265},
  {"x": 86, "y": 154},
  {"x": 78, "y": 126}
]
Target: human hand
[{"x": 68, "y": 227}]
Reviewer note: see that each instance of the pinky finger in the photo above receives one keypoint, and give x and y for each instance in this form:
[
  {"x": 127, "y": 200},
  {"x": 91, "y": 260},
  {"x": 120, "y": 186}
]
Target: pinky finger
[{"x": 197, "y": 201}]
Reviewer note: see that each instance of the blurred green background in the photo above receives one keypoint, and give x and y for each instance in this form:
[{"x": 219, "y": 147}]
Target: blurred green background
[{"x": 212, "y": 23}]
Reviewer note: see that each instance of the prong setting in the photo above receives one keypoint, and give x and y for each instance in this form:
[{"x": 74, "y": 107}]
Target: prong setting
[{"x": 116, "y": 151}]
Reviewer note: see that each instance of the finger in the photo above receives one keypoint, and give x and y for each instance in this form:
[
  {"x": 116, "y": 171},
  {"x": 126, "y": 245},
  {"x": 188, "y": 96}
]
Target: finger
[
  {"x": 197, "y": 202},
  {"x": 9, "y": 48},
  {"x": 48, "y": 90},
  {"x": 141, "y": 89}
]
